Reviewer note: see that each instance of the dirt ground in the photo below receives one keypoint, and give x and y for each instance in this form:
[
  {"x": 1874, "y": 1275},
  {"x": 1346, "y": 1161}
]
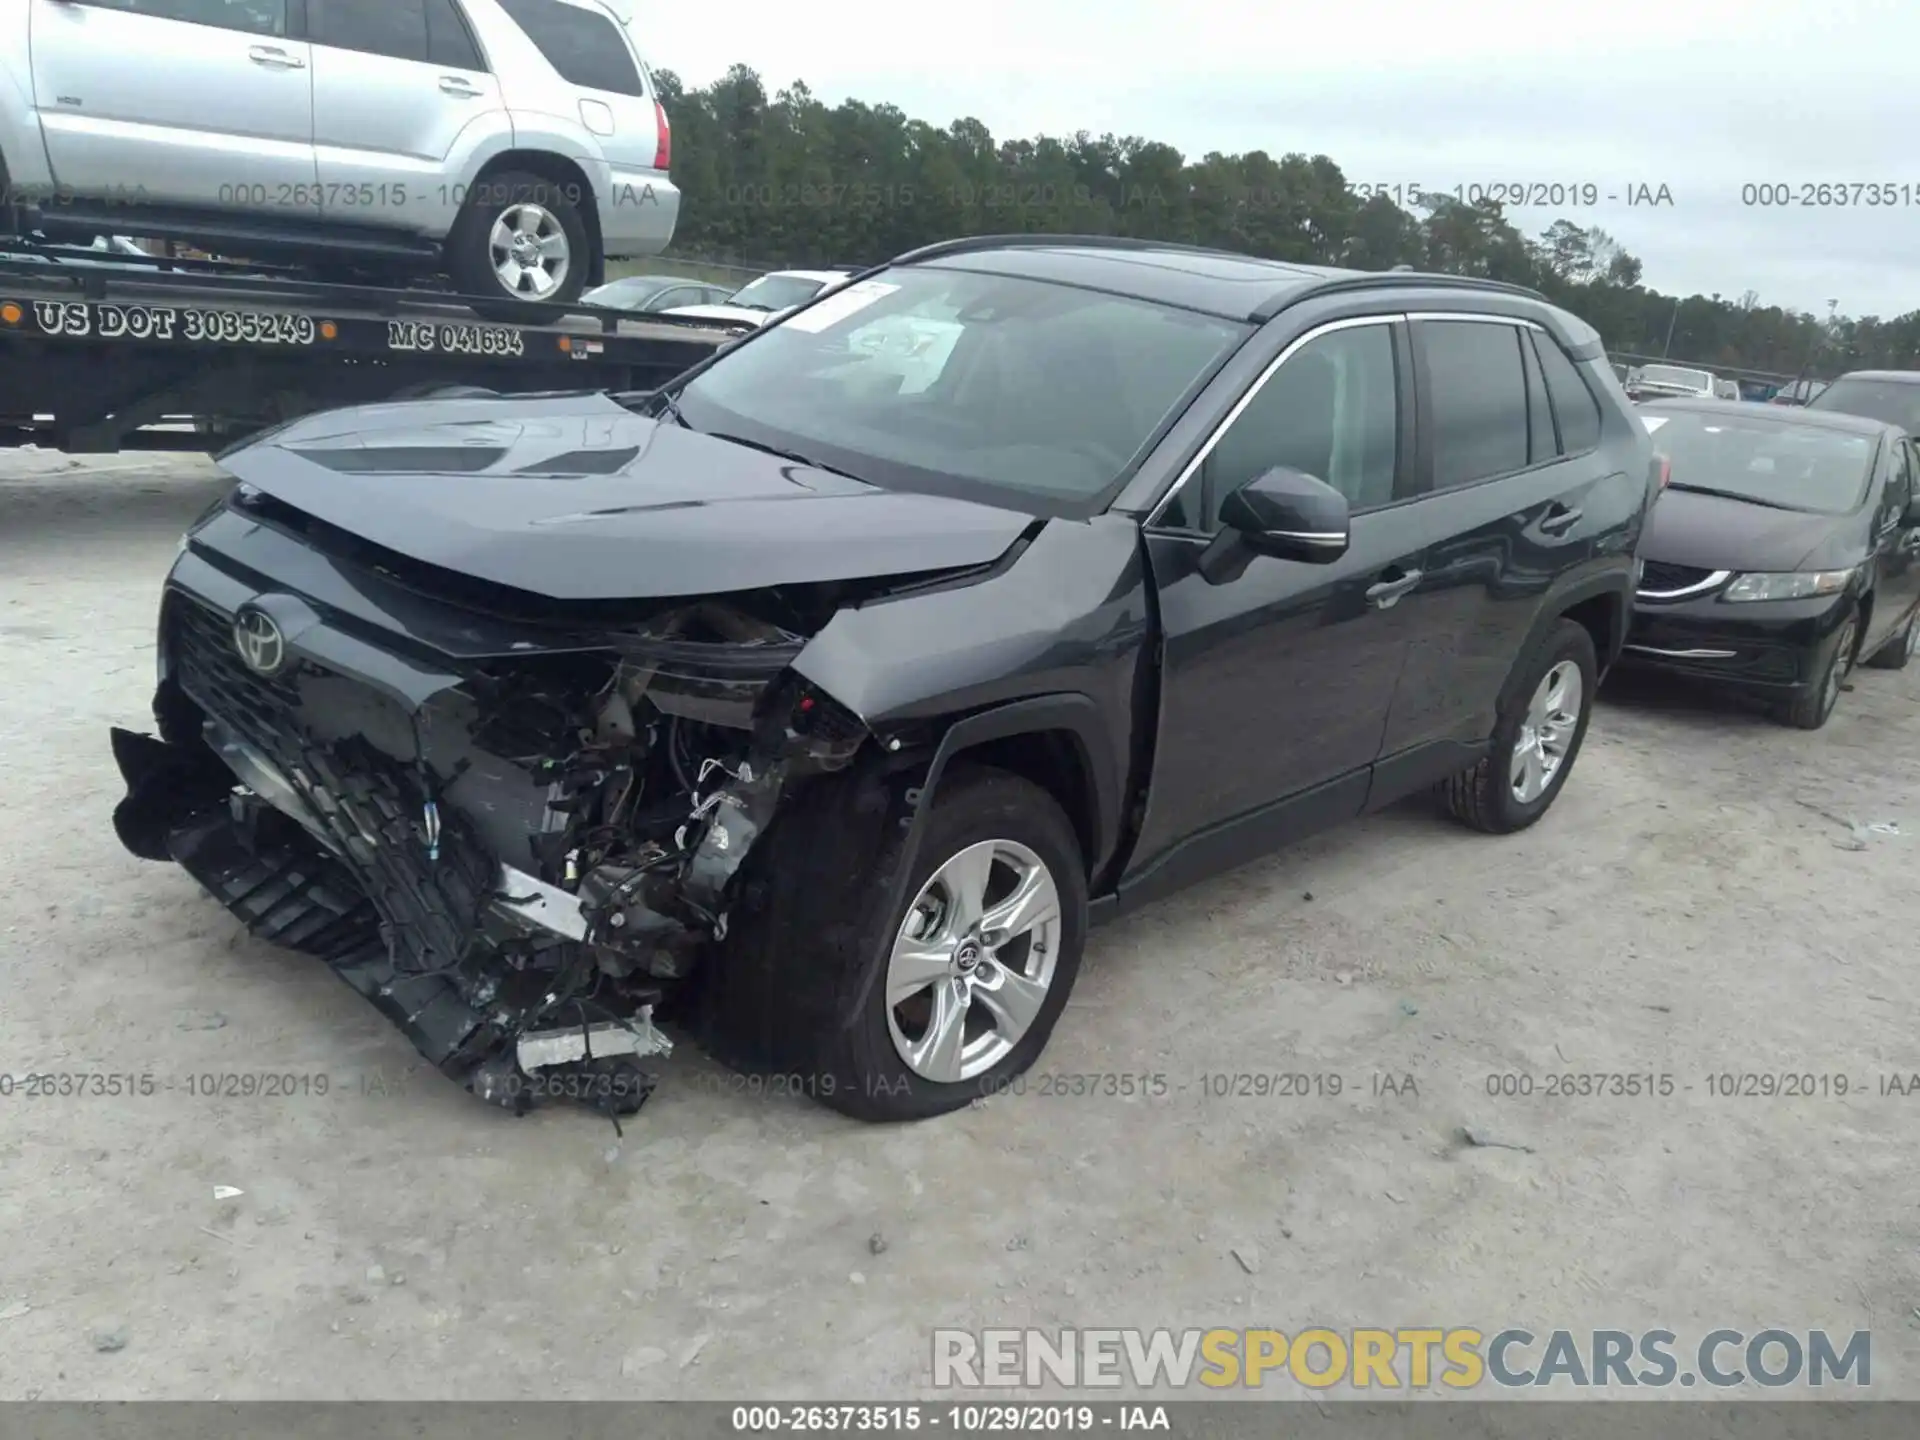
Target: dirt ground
[{"x": 1697, "y": 902}]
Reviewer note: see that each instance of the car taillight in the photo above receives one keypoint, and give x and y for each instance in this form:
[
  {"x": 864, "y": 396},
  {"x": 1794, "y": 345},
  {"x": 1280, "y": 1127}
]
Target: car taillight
[
  {"x": 1662, "y": 472},
  {"x": 663, "y": 151}
]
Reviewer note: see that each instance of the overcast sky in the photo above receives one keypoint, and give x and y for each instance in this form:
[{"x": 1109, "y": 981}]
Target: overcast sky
[{"x": 1702, "y": 96}]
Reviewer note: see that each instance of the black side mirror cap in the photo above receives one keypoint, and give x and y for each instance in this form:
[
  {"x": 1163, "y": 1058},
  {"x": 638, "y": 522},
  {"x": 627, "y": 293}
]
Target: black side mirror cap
[
  {"x": 1283, "y": 513},
  {"x": 1290, "y": 515}
]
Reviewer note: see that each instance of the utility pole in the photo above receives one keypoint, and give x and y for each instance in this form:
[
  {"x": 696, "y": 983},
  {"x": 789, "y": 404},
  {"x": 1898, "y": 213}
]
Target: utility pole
[{"x": 1667, "y": 349}]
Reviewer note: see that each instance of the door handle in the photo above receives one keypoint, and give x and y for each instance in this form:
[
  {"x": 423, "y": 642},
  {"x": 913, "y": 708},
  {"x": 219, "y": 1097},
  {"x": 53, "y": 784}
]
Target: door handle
[
  {"x": 1386, "y": 594},
  {"x": 1559, "y": 520},
  {"x": 454, "y": 85},
  {"x": 276, "y": 58}
]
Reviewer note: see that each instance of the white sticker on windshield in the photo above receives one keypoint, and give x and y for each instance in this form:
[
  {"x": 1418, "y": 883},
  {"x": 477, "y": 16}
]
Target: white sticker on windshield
[
  {"x": 839, "y": 305},
  {"x": 1654, "y": 422}
]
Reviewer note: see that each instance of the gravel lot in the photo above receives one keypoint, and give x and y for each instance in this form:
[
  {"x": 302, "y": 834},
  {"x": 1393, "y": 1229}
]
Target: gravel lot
[{"x": 1694, "y": 903}]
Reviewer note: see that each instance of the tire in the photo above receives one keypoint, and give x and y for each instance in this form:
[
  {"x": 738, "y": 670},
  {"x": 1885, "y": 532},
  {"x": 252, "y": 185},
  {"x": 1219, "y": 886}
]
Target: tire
[
  {"x": 789, "y": 980},
  {"x": 1812, "y": 710},
  {"x": 1895, "y": 654},
  {"x": 1484, "y": 796},
  {"x": 540, "y": 206}
]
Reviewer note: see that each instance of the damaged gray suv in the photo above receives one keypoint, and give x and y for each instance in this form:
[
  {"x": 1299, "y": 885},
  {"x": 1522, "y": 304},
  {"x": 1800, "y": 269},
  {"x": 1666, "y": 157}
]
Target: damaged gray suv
[{"x": 816, "y": 704}]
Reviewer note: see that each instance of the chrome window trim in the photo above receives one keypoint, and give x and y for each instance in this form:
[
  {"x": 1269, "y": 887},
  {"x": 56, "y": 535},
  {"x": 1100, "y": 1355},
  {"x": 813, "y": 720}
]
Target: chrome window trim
[
  {"x": 1156, "y": 517},
  {"x": 1712, "y": 582},
  {"x": 1476, "y": 318}
]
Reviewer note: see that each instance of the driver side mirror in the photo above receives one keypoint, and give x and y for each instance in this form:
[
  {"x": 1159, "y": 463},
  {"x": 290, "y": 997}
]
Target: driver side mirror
[{"x": 1283, "y": 513}]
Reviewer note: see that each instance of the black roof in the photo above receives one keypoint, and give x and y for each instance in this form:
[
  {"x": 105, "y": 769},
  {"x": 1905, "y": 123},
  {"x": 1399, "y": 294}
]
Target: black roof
[
  {"x": 1214, "y": 282},
  {"x": 1778, "y": 414}
]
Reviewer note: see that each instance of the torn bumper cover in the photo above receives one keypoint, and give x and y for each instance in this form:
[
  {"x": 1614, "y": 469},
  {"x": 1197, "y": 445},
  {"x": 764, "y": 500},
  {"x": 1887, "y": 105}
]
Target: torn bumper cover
[{"x": 514, "y": 860}]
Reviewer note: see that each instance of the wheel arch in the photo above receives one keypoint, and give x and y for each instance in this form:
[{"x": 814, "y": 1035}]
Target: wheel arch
[
  {"x": 566, "y": 173},
  {"x": 1602, "y": 605},
  {"x": 1058, "y": 742}
]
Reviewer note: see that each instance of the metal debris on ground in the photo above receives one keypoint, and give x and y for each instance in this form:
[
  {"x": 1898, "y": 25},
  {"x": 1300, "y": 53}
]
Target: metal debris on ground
[
  {"x": 1248, "y": 1256},
  {"x": 1481, "y": 1140}
]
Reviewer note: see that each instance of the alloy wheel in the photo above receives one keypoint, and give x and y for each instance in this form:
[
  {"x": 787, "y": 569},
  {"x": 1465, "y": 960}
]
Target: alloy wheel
[
  {"x": 1546, "y": 734},
  {"x": 974, "y": 961},
  {"x": 529, "y": 250}
]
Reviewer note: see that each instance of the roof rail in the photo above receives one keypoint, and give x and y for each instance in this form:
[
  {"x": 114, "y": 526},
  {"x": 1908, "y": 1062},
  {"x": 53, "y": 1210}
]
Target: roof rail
[
  {"x": 966, "y": 244},
  {"x": 1395, "y": 279}
]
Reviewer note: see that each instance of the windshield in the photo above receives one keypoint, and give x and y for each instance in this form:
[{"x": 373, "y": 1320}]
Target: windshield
[
  {"x": 1797, "y": 467},
  {"x": 775, "y": 292},
  {"x": 1895, "y": 402},
  {"x": 925, "y": 378},
  {"x": 1673, "y": 375},
  {"x": 636, "y": 290}
]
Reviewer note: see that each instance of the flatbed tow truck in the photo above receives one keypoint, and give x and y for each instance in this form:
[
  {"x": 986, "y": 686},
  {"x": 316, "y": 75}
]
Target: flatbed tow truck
[{"x": 100, "y": 355}]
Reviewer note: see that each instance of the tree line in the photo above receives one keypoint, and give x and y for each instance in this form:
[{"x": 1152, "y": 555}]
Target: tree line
[{"x": 789, "y": 179}]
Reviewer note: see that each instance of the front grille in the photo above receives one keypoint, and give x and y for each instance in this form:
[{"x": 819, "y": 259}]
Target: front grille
[
  {"x": 209, "y": 669},
  {"x": 430, "y": 890},
  {"x": 1658, "y": 577}
]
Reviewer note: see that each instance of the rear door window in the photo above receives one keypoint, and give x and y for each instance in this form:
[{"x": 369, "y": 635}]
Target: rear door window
[
  {"x": 584, "y": 46},
  {"x": 1478, "y": 391},
  {"x": 449, "y": 42}
]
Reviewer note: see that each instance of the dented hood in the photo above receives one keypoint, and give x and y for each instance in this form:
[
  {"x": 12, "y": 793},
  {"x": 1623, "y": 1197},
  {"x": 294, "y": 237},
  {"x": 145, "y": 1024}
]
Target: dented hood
[{"x": 578, "y": 498}]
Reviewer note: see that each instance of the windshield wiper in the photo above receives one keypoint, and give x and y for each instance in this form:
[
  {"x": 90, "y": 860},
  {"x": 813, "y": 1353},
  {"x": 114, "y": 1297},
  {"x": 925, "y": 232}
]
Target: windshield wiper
[
  {"x": 794, "y": 455},
  {"x": 1733, "y": 495}
]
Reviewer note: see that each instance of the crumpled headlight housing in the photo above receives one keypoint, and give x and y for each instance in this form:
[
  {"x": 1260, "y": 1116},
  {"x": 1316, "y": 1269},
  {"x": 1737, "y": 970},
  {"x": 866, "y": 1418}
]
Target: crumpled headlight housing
[{"x": 1787, "y": 585}]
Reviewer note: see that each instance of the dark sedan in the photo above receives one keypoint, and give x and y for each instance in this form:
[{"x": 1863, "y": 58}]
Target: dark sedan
[{"x": 1781, "y": 551}]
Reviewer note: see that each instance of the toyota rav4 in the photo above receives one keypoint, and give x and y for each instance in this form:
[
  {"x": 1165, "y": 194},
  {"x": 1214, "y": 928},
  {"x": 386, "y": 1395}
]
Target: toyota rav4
[{"x": 826, "y": 696}]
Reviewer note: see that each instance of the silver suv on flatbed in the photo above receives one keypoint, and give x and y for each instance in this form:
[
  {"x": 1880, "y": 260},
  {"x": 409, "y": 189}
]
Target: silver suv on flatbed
[{"x": 514, "y": 145}]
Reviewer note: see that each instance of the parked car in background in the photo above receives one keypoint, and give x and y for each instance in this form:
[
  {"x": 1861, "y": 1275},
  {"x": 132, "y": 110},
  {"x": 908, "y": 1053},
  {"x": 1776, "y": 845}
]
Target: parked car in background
[
  {"x": 1726, "y": 389},
  {"x": 513, "y": 144},
  {"x": 652, "y": 293},
  {"x": 832, "y": 714},
  {"x": 767, "y": 298},
  {"x": 1783, "y": 548},
  {"x": 1657, "y": 382},
  {"x": 1797, "y": 392},
  {"x": 1889, "y": 395}
]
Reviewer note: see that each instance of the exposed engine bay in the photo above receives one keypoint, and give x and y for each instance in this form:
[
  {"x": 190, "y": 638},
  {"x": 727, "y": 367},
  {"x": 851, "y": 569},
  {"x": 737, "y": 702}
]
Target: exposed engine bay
[{"x": 519, "y": 867}]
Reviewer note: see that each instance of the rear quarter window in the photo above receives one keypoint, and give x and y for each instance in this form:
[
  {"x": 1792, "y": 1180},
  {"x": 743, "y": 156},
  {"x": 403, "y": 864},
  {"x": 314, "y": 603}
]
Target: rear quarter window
[
  {"x": 584, "y": 46},
  {"x": 1573, "y": 403}
]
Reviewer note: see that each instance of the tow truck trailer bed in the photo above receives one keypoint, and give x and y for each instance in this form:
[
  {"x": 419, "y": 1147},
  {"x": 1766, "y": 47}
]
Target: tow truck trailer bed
[{"x": 92, "y": 354}]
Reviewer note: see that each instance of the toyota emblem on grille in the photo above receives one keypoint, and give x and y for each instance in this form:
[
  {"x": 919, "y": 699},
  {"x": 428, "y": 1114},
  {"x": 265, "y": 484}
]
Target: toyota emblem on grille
[{"x": 261, "y": 645}]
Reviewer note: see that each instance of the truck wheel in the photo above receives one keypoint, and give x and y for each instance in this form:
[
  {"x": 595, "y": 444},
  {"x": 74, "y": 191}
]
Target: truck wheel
[
  {"x": 963, "y": 980},
  {"x": 1535, "y": 740},
  {"x": 520, "y": 239}
]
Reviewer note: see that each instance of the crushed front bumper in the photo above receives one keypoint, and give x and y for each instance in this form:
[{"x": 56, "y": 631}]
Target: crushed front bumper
[{"x": 335, "y": 846}]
